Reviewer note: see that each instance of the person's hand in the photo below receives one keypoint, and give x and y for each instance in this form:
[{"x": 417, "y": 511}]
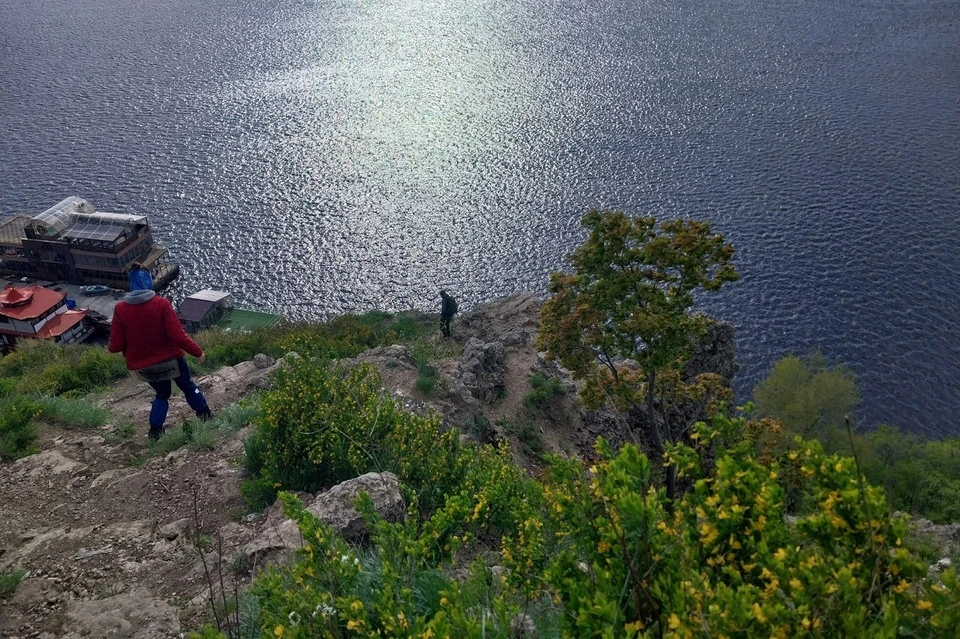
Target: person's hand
[{"x": 203, "y": 357}]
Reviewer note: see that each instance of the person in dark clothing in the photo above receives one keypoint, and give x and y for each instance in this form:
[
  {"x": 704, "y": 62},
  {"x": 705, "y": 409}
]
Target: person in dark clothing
[
  {"x": 145, "y": 328},
  {"x": 448, "y": 308}
]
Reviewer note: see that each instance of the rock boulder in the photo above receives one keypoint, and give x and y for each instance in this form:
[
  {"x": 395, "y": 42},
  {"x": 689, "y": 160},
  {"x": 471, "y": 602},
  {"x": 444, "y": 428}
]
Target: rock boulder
[
  {"x": 483, "y": 369},
  {"x": 335, "y": 508}
]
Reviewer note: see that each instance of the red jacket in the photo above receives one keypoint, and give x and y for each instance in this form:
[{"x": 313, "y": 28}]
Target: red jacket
[{"x": 149, "y": 333}]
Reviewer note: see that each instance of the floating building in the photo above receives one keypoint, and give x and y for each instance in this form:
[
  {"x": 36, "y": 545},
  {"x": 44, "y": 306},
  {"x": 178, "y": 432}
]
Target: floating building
[
  {"x": 208, "y": 309},
  {"x": 73, "y": 242}
]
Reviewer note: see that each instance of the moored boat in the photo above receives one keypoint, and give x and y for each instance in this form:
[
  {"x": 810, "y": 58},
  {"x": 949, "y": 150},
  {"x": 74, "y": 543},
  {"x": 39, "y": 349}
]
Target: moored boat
[{"x": 95, "y": 289}]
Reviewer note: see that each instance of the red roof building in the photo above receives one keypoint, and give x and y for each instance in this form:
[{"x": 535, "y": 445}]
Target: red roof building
[{"x": 39, "y": 313}]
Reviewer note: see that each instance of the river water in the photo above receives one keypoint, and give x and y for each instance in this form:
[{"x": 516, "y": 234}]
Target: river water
[{"x": 324, "y": 156}]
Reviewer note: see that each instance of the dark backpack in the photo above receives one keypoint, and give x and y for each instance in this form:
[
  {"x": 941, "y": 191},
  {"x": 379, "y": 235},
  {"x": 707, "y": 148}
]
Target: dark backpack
[{"x": 453, "y": 307}]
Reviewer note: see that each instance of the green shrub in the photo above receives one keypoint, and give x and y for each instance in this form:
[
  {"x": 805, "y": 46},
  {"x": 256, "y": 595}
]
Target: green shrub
[
  {"x": 8, "y": 386},
  {"x": 97, "y": 368},
  {"x": 410, "y": 326},
  {"x": 332, "y": 590},
  {"x": 314, "y": 425},
  {"x": 17, "y": 430},
  {"x": 598, "y": 553},
  {"x": 427, "y": 379},
  {"x": 258, "y": 493},
  {"x": 811, "y": 397},
  {"x": 30, "y": 356},
  {"x": 543, "y": 392},
  {"x": 527, "y": 433},
  {"x": 323, "y": 425},
  {"x": 479, "y": 426},
  {"x": 10, "y": 580},
  {"x": 253, "y": 456},
  {"x": 425, "y": 385}
]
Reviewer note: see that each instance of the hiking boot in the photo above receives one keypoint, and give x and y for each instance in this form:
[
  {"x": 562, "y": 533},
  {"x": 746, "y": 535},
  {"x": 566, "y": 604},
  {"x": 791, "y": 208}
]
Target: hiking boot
[
  {"x": 205, "y": 415},
  {"x": 156, "y": 433}
]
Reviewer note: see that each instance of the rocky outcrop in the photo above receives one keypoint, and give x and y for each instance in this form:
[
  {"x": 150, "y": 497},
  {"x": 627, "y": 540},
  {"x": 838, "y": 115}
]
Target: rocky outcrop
[
  {"x": 134, "y": 615},
  {"x": 395, "y": 356},
  {"x": 714, "y": 354},
  {"x": 512, "y": 320},
  {"x": 945, "y": 535},
  {"x": 483, "y": 370}
]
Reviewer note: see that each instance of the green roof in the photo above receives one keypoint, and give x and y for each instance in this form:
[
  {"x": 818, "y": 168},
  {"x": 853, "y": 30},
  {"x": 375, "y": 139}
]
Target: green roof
[{"x": 244, "y": 320}]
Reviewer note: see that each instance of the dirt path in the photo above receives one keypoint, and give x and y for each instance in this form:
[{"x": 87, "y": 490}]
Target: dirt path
[{"x": 111, "y": 544}]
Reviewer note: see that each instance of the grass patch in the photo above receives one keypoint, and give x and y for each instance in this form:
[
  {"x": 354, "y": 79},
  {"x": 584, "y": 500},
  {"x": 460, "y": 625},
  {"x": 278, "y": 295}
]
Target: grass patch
[
  {"x": 236, "y": 416},
  {"x": 10, "y": 580},
  {"x": 201, "y": 435},
  {"x": 425, "y": 385},
  {"x": 173, "y": 439},
  {"x": 42, "y": 367},
  {"x": 73, "y": 413},
  {"x": 258, "y": 493},
  {"x": 427, "y": 379},
  {"x": 119, "y": 434},
  {"x": 341, "y": 337}
]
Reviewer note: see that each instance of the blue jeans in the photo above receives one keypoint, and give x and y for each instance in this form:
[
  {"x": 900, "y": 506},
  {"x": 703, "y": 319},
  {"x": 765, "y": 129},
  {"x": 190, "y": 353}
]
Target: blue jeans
[{"x": 196, "y": 400}]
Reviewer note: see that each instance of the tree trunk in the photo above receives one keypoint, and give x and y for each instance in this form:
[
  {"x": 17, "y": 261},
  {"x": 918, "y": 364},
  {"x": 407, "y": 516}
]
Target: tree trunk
[
  {"x": 652, "y": 414},
  {"x": 671, "y": 471}
]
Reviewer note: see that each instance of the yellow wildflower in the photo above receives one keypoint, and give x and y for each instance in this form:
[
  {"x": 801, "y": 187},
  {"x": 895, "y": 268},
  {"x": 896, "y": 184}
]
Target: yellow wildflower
[
  {"x": 636, "y": 626},
  {"x": 278, "y": 631},
  {"x": 674, "y": 621},
  {"x": 923, "y": 604}
]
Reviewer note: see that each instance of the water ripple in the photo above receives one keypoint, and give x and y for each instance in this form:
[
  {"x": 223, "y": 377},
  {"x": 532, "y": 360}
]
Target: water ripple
[{"x": 317, "y": 158}]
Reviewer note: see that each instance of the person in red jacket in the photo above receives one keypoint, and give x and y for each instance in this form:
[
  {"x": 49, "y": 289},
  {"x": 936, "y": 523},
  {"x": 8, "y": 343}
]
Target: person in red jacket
[{"x": 146, "y": 330}]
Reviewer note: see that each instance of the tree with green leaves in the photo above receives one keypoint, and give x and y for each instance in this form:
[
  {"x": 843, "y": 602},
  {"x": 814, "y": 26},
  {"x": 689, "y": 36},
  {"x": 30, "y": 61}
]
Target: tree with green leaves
[
  {"x": 622, "y": 321},
  {"x": 810, "y": 395}
]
